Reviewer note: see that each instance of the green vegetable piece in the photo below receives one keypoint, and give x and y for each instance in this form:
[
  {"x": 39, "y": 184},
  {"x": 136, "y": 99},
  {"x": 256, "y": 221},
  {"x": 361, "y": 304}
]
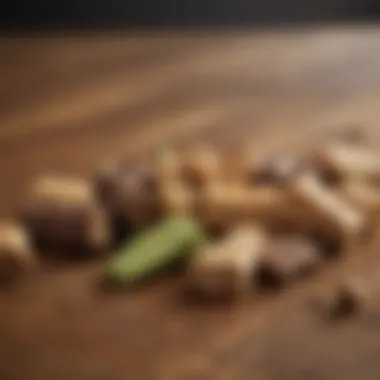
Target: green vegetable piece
[{"x": 173, "y": 238}]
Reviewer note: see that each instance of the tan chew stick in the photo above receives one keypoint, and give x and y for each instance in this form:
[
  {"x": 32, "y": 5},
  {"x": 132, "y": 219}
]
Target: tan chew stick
[
  {"x": 64, "y": 211},
  {"x": 224, "y": 205},
  {"x": 362, "y": 195},
  {"x": 349, "y": 162},
  {"x": 16, "y": 255},
  {"x": 225, "y": 267},
  {"x": 329, "y": 211},
  {"x": 176, "y": 198},
  {"x": 200, "y": 166}
]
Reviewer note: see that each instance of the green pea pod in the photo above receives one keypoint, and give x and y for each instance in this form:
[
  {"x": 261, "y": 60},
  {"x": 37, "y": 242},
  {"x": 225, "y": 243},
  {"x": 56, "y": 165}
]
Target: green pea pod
[{"x": 173, "y": 238}]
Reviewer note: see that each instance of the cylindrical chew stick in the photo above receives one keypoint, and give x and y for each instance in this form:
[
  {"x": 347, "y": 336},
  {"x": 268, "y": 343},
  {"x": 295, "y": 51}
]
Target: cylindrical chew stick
[
  {"x": 168, "y": 166},
  {"x": 223, "y": 205},
  {"x": 200, "y": 166},
  {"x": 345, "y": 161},
  {"x": 16, "y": 254},
  {"x": 362, "y": 195},
  {"x": 176, "y": 198},
  {"x": 64, "y": 211},
  {"x": 330, "y": 211},
  {"x": 287, "y": 258},
  {"x": 225, "y": 268}
]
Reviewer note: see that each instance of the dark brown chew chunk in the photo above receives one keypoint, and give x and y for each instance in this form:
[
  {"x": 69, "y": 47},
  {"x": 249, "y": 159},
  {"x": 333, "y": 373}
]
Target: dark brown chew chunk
[
  {"x": 287, "y": 258},
  {"x": 129, "y": 193},
  {"x": 64, "y": 212}
]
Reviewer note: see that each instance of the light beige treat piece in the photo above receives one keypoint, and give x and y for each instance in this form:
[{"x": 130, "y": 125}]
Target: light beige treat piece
[
  {"x": 226, "y": 267},
  {"x": 348, "y": 162},
  {"x": 329, "y": 211},
  {"x": 16, "y": 254},
  {"x": 65, "y": 211},
  {"x": 224, "y": 204}
]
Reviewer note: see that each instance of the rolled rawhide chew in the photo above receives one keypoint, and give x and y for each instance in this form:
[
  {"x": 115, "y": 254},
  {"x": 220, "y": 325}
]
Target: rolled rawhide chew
[
  {"x": 64, "y": 211},
  {"x": 200, "y": 166},
  {"x": 226, "y": 267},
  {"x": 329, "y": 212},
  {"x": 176, "y": 198},
  {"x": 129, "y": 193},
  {"x": 167, "y": 165},
  {"x": 16, "y": 253},
  {"x": 347, "y": 162},
  {"x": 287, "y": 258},
  {"x": 362, "y": 195},
  {"x": 224, "y": 204}
]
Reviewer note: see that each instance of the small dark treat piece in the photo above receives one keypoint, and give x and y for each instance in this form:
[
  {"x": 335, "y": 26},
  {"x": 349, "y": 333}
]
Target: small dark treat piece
[
  {"x": 348, "y": 299},
  {"x": 129, "y": 193},
  {"x": 276, "y": 171},
  {"x": 286, "y": 259},
  {"x": 64, "y": 212},
  {"x": 16, "y": 254}
]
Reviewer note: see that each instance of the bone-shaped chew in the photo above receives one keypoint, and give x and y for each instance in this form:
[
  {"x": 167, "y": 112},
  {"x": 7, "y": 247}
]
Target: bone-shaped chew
[
  {"x": 16, "y": 253},
  {"x": 226, "y": 267},
  {"x": 65, "y": 211},
  {"x": 333, "y": 214},
  {"x": 344, "y": 161}
]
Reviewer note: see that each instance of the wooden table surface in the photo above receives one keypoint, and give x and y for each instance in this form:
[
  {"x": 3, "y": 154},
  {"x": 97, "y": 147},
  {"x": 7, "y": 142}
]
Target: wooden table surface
[{"x": 70, "y": 102}]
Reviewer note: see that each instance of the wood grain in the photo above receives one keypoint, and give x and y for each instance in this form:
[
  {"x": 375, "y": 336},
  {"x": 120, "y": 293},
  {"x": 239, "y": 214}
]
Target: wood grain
[{"x": 69, "y": 102}]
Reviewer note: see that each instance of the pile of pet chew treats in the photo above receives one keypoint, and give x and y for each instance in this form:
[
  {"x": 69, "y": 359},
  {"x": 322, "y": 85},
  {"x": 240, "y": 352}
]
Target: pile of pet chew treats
[{"x": 234, "y": 221}]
